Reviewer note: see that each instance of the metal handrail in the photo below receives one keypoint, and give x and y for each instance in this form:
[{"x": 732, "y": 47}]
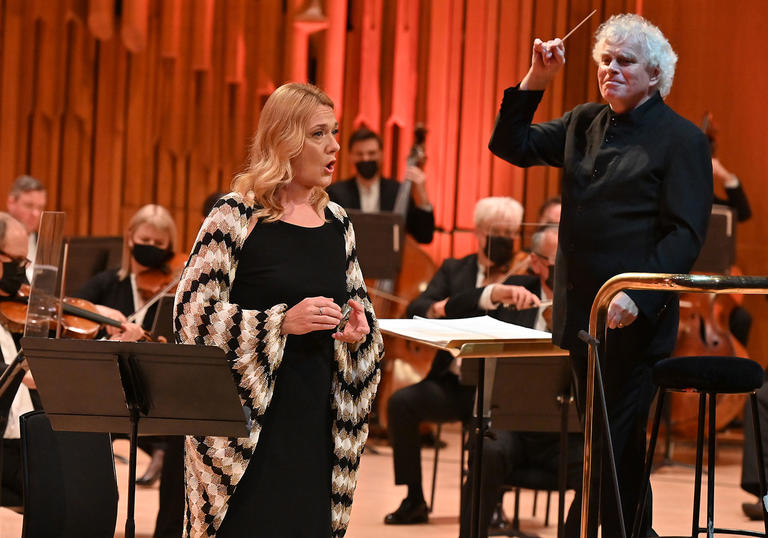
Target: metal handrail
[{"x": 749, "y": 285}]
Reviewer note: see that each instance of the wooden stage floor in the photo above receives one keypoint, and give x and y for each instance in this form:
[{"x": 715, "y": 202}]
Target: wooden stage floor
[{"x": 377, "y": 495}]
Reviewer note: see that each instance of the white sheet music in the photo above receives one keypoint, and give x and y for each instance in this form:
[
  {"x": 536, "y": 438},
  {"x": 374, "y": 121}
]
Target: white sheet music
[{"x": 443, "y": 332}]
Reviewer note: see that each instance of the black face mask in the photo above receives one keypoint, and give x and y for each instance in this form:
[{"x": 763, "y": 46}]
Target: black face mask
[
  {"x": 14, "y": 276},
  {"x": 150, "y": 255},
  {"x": 550, "y": 281},
  {"x": 499, "y": 249},
  {"x": 367, "y": 169}
]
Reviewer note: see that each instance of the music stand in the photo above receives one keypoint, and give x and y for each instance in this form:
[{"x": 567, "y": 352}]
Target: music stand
[
  {"x": 379, "y": 239},
  {"x": 718, "y": 253},
  {"x": 129, "y": 387}
]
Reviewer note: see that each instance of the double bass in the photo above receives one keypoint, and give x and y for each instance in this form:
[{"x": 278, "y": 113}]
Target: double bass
[
  {"x": 390, "y": 299},
  {"x": 705, "y": 330}
]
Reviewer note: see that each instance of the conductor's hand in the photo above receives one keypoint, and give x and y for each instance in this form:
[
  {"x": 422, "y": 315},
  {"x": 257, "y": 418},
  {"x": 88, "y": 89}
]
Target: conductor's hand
[
  {"x": 622, "y": 311},
  {"x": 311, "y": 314},
  {"x": 547, "y": 59},
  {"x": 357, "y": 326},
  {"x": 516, "y": 296}
]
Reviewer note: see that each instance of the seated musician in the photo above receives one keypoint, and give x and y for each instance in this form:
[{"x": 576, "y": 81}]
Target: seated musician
[
  {"x": 464, "y": 287},
  {"x": 26, "y": 202},
  {"x": 549, "y": 212},
  {"x": 368, "y": 191},
  {"x": 506, "y": 451},
  {"x": 13, "y": 264},
  {"x": 149, "y": 243}
]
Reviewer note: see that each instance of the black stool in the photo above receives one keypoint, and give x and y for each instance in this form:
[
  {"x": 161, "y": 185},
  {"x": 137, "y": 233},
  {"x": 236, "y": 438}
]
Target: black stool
[{"x": 709, "y": 376}]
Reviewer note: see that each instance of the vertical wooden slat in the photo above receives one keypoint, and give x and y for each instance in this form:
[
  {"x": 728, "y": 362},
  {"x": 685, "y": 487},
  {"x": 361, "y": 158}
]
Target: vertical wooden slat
[
  {"x": 135, "y": 23},
  {"x": 101, "y": 18}
]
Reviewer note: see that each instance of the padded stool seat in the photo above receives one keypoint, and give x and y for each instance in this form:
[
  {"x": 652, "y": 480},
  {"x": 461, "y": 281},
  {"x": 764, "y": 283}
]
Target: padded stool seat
[
  {"x": 724, "y": 375},
  {"x": 709, "y": 376}
]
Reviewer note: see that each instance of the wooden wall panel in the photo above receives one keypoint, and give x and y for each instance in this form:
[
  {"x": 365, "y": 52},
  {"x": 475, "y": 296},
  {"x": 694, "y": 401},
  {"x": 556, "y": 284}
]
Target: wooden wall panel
[
  {"x": 117, "y": 104},
  {"x": 715, "y": 74}
]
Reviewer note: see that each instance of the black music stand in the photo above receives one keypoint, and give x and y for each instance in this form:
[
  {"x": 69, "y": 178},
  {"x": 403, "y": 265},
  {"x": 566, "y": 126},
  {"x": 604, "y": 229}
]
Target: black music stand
[
  {"x": 129, "y": 387},
  {"x": 529, "y": 394},
  {"x": 379, "y": 238}
]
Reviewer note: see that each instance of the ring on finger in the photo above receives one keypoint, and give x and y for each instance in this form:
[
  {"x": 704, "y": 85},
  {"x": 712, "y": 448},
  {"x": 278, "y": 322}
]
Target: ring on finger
[{"x": 321, "y": 310}]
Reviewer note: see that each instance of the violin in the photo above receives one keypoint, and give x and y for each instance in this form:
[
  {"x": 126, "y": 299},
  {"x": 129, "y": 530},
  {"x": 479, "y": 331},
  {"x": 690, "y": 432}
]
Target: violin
[
  {"x": 152, "y": 282},
  {"x": 80, "y": 318}
]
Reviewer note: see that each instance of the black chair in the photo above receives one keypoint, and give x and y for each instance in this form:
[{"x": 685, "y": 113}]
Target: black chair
[
  {"x": 709, "y": 376},
  {"x": 89, "y": 256},
  {"x": 70, "y": 487}
]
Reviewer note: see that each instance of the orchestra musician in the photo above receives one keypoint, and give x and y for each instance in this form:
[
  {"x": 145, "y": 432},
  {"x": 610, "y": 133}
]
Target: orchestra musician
[
  {"x": 505, "y": 451},
  {"x": 13, "y": 264},
  {"x": 368, "y": 191},
  {"x": 464, "y": 287},
  {"x": 549, "y": 212},
  {"x": 149, "y": 242},
  {"x": 273, "y": 264},
  {"x": 637, "y": 194},
  {"x": 26, "y": 202}
]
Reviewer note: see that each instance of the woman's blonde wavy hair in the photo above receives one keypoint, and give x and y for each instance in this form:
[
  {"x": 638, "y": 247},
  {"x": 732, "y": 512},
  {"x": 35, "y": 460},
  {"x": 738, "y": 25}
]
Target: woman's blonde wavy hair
[
  {"x": 154, "y": 215},
  {"x": 279, "y": 138}
]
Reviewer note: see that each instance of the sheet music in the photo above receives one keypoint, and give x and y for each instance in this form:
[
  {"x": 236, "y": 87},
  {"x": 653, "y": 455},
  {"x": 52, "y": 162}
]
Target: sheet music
[{"x": 450, "y": 332}]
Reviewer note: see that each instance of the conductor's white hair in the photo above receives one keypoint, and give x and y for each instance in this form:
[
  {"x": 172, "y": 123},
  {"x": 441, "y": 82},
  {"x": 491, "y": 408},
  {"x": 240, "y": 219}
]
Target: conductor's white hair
[
  {"x": 498, "y": 209},
  {"x": 655, "y": 47}
]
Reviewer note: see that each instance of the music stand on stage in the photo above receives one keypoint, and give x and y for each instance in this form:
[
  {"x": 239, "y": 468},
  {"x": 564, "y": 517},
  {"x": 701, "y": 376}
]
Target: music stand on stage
[
  {"x": 467, "y": 339},
  {"x": 379, "y": 238},
  {"x": 136, "y": 388}
]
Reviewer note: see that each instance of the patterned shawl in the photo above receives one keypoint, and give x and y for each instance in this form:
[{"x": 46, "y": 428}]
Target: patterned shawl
[{"x": 254, "y": 347}]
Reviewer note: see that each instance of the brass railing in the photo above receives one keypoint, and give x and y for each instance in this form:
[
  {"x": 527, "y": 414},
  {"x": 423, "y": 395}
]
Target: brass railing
[{"x": 754, "y": 285}]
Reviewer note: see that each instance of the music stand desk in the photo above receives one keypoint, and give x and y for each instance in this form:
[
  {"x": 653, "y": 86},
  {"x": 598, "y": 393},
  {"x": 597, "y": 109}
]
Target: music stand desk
[
  {"x": 480, "y": 349},
  {"x": 135, "y": 388}
]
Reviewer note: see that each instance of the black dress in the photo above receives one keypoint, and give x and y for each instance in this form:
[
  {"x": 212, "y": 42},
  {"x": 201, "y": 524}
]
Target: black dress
[{"x": 286, "y": 489}]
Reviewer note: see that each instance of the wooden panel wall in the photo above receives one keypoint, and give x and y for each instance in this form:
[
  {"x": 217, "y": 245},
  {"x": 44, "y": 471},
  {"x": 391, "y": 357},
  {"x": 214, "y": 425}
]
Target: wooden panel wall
[
  {"x": 715, "y": 73},
  {"x": 114, "y": 104}
]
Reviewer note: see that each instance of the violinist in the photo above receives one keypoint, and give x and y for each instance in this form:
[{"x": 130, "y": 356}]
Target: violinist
[
  {"x": 637, "y": 194},
  {"x": 506, "y": 452},
  {"x": 13, "y": 263},
  {"x": 464, "y": 287},
  {"x": 26, "y": 202},
  {"x": 148, "y": 245},
  {"x": 368, "y": 191}
]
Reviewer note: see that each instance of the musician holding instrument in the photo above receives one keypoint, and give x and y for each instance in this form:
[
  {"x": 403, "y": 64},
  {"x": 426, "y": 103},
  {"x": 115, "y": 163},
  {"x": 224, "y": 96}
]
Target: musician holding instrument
[
  {"x": 149, "y": 243},
  {"x": 637, "y": 194},
  {"x": 13, "y": 263},
  {"x": 464, "y": 287},
  {"x": 369, "y": 192},
  {"x": 26, "y": 202}
]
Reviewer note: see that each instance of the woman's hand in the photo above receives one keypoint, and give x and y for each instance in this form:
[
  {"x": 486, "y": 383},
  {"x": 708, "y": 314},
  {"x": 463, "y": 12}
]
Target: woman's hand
[
  {"x": 547, "y": 58},
  {"x": 312, "y": 314},
  {"x": 131, "y": 332},
  {"x": 357, "y": 326},
  {"x": 116, "y": 315}
]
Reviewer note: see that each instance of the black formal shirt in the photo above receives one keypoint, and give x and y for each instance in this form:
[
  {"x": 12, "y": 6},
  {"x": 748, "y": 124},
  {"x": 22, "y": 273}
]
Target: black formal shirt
[{"x": 637, "y": 194}]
